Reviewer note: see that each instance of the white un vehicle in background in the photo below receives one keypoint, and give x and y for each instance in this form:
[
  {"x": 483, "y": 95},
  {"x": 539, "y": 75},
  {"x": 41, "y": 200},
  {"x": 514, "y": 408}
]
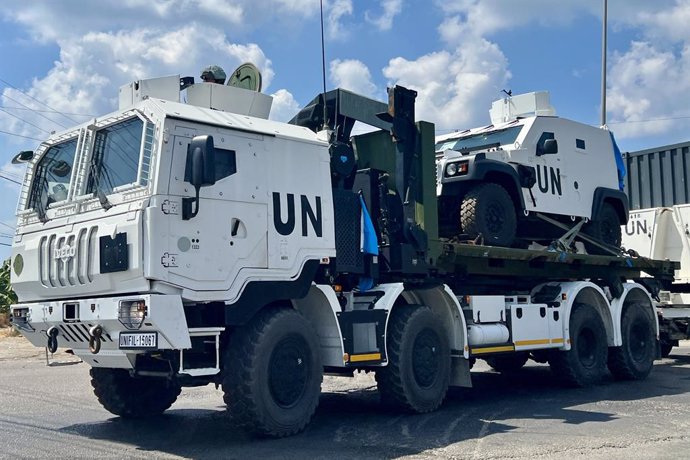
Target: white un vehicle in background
[
  {"x": 171, "y": 244},
  {"x": 495, "y": 182}
]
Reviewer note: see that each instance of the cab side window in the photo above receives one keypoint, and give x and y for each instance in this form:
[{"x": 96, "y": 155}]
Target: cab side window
[{"x": 543, "y": 138}]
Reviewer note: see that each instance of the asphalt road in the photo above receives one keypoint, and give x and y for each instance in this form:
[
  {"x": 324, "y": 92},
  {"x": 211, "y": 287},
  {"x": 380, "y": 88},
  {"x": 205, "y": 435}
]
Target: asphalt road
[{"x": 51, "y": 412}]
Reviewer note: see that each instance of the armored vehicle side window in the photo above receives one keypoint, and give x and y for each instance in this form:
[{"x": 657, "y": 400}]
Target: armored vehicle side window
[
  {"x": 53, "y": 172},
  {"x": 482, "y": 140},
  {"x": 544, "y": 137},
  {"x": 116, "y": 156}
]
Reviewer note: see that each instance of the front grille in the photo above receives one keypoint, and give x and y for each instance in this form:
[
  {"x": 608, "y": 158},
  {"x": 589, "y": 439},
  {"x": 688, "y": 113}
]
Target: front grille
[{"x": 68, "y": 260}]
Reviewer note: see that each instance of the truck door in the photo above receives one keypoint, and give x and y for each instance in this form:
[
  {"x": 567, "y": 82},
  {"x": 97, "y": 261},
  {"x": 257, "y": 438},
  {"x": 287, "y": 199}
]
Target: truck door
[{"x": 229, "y": 233}]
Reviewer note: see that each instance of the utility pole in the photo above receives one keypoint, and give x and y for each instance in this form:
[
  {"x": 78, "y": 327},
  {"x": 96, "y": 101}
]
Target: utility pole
[{"x": 603, "y": 64}]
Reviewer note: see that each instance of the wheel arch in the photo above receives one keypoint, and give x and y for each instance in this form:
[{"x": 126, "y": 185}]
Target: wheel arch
[
  {"x": 616, "y": 198},
  {"x": 319, "y": 307},
  {"x": 585, "y": 292},
  {"x": 633, "y": 293},
  {"x": 442, "y": 301}
]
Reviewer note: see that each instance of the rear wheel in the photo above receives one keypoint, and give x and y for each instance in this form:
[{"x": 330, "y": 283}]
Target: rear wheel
[
  {"x": 585, "y": 363},
  {"x": 488, "y": 211},
  {"x": 606, "y": 227},
  {"x": 634, "y": 359},
  {"x": 507, "y": 364},
  {"x": 132, "y": 397},
  {"x": 273, "y": 373},
  {"x": 418, "y": 372}
]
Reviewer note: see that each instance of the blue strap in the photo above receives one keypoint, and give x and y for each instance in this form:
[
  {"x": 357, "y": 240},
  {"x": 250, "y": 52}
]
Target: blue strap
[{"x": 620, "y": 163}]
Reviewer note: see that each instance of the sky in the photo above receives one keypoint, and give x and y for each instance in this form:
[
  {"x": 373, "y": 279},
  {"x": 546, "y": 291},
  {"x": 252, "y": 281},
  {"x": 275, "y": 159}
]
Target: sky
[{"x": 63, "y": 61}]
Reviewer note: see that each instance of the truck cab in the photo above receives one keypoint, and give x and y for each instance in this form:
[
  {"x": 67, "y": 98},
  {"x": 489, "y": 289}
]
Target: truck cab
[
  {"x": 112, "y": 230},
  {"x": 493, "y": 180}
]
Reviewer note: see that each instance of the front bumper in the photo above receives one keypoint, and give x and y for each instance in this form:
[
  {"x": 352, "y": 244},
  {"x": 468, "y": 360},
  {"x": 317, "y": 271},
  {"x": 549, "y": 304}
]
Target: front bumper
[{"x": 73, "y": 319}]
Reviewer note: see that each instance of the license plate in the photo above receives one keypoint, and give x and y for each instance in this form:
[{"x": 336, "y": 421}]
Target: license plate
[{"x": 138, "y": 340}]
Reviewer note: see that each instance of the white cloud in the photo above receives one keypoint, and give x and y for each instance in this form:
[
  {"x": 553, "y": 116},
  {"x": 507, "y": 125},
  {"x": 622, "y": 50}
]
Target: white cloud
[
  {"x": 391, "y": 8},
  {"x": 455, "y": 89},
  {"x": 644, "y": 84},
  {"x": 91, "y": 68},
  {"x": 352, "y": 75},
  {"x": 284, "y": 106},
  {"x": 337, "y": 10}
]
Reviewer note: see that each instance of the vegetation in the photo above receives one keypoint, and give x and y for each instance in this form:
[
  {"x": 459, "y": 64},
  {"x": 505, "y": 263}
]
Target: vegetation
[{"x": 7, "y": 295}]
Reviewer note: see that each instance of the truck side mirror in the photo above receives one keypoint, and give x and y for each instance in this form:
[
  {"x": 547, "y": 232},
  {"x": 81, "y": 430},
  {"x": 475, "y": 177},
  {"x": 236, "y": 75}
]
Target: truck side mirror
[
  {"x": 200, "y": 171},
  {"x": 550, "y": 147}
]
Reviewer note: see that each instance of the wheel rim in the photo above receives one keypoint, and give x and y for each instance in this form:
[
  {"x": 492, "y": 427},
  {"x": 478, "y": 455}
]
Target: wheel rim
[
  {"x": 288, "y": 371},
  {"x": 586, "y": 348},
  {"x": 495, "y": 217},
  {"x": 639, "y": 341},
  {"x": 425, "y": 358}
]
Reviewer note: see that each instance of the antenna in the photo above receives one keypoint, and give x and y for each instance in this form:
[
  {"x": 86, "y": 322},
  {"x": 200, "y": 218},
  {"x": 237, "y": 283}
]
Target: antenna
[
  {"x": 603, "y": 64},
  {"x": 323, "y": 66}
]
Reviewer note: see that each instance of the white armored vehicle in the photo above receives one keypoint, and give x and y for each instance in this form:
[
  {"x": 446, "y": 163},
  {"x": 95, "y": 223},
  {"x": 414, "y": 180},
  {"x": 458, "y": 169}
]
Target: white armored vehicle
[{"x": 494, "y": 181}]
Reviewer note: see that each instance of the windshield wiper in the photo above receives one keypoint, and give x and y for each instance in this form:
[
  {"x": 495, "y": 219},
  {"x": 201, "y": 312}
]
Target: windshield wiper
[{"x": 94, "y": 170}]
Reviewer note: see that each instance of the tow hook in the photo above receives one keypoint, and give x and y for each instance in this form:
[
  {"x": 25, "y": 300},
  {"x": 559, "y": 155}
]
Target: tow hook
[
  {"x": 95, "y": 339},
  {"x": 52, "y": 334}
]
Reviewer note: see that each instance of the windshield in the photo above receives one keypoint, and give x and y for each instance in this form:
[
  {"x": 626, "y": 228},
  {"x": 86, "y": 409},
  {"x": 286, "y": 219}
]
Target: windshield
[
  {"x": 476, "y": 141},
  {"x": 53, "y": 173},
  {"x": 116, "y": 156}
]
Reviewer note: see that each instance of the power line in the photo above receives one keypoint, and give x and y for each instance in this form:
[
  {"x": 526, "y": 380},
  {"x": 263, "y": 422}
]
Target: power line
[
  {"x": 40, "y": 102},
  {"x": 6, "y": 225},
  {"x": 9, "y": 179},
  {"x": 37, "y": 113},
  {"x": 48, "y": 111},
  {"x": 19, "y": 135},
  {"x": 648, "y": 120},
  {"x": 25, "y": 121},
  {"x": 5, "y": 244}
]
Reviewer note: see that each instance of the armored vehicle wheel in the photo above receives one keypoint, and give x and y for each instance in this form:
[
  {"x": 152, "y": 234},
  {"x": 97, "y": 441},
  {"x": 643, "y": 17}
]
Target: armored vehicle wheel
[
  {"x": 418, "y": 372},
  {"x": 506, "y": 364},
  {"x": 273, "y": 373},
  {"x": 606, "y": 227},
  {"x": 488, "y": 210},
  {"x": 585, "y": 363},
  {"x": 635, "y": 358},
  {"x": 132, "y": 397}
]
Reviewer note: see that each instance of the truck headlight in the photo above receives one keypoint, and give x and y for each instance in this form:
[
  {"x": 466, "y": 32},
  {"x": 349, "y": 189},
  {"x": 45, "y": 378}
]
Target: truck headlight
[
  {"x": 457, "y": 169},
  {"x": 131, "y": 313}
]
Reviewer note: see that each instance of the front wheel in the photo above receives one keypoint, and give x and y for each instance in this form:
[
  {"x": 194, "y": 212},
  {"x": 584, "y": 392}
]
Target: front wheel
[
  {"x": 273, "y": 373},
  {"x": 488, "y": 211},
  {"x": 418, "y": 372},
  {"x": 585, "y": 363},
  {"x": 634, "y": 359},
  {"x": 132, "y": 397}
]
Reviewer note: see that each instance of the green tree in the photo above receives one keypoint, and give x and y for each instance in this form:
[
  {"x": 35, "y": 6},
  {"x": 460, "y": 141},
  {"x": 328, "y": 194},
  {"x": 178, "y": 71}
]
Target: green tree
[{"x": 7, "y": 295}]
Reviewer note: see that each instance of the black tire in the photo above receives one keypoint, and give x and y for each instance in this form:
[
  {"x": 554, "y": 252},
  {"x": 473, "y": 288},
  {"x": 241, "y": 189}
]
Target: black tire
[
  {"x": 417, "y": 376},
  {"x": 666, "y": 348},
  {"x": 132, "y": 397},
  {"x": 635, "y": 358},
  {"x": 272, "y": 373},
  {"x": 606, "y": 227},
  {"x": 507, "y": 364},
  {"x": 488, "y": 210},
  {"x": 585, "y": 363}
]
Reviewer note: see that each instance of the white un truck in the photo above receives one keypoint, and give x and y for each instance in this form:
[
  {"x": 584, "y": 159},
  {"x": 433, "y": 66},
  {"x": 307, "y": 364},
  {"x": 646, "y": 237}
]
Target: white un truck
[
  {"x": 501, "y": 182},
  {"x": 659, "y": 227},
  {"x": 174, "y": 244}
]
